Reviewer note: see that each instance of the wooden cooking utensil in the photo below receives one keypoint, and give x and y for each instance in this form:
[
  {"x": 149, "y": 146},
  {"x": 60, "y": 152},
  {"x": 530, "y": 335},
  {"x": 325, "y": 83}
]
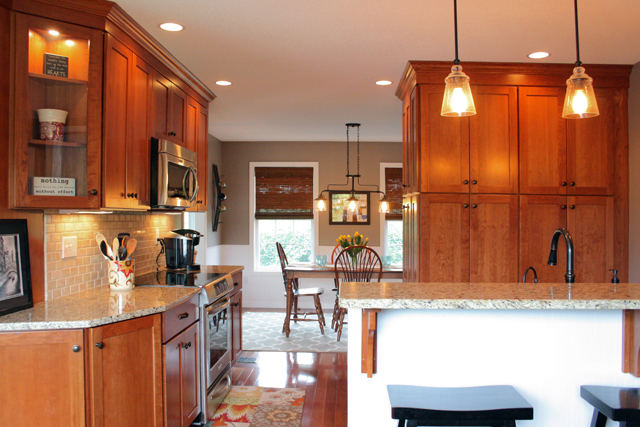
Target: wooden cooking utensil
[
  {"x": 101, "y": 239},
  {"x": 116, "y": 247},
  {"x": 131, "y": 246}
]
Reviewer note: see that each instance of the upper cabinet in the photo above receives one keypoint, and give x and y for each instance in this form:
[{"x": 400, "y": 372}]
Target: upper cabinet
[
  {"x": 90, "y": 92},
  {"x": 56, "y": 114}
]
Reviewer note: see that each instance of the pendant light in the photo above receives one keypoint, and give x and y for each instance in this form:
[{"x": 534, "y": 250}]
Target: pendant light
[
  {"x": 458, "y": 101},
  {"x": 580, "y": 100},
  {"x": 321, "y": 201}
]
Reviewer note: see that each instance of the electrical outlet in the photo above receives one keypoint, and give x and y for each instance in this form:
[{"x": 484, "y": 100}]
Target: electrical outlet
[{"x": 69, "y": 247}]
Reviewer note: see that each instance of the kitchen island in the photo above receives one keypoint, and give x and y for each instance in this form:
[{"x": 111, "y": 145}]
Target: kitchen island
[{"x": 545, "y": 339}]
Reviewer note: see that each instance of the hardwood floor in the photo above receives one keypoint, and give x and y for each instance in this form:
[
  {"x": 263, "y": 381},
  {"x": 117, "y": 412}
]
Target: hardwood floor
[{"x": 322, "y": 375}]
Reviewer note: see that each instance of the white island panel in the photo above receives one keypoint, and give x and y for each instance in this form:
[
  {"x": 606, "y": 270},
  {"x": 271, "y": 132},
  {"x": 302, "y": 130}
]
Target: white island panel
[{"x": 545, "y": 354}]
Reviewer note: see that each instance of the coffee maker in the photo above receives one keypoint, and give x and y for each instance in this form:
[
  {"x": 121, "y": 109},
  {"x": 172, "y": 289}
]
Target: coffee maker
[{"x": 179, "y": 249}]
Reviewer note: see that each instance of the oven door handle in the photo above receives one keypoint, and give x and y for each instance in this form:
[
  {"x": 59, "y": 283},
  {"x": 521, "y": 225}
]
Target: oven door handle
[
  {"x": 221, "y": 390},
  {"x": 216, "y": 307}
]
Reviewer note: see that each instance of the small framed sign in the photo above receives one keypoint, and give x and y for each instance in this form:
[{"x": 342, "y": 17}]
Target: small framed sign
[
  {"x": 48, "y": 186},
  {"x": 56, "y": 65},
  {"x": 340, "y": 214}
]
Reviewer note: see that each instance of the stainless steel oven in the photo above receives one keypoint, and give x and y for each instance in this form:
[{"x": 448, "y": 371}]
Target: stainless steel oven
[{"x": 174, "y": 175}]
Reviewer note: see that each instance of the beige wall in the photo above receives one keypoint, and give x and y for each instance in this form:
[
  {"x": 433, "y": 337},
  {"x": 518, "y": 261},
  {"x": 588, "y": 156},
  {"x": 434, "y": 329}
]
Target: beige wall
[
  {"x": 89, "y": 268},
  {"x": 331, "y": 156},
  {"x": 634, "y": 176}
]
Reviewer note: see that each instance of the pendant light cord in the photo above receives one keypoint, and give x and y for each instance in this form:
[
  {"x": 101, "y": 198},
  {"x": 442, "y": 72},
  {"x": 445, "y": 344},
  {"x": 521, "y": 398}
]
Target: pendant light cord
[
  {"x": 578, "y": 62},
  {"x": 455, "y": 24}
]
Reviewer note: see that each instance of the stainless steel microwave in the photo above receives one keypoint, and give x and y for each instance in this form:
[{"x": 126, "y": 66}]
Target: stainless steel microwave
[{"x": 174, "y": 176}]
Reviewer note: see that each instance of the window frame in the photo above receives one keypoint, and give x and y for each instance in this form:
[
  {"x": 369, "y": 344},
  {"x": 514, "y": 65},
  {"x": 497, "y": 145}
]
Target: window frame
[
  {"x": 254, "y": 224},
  {"x": 383, "y": 219}
]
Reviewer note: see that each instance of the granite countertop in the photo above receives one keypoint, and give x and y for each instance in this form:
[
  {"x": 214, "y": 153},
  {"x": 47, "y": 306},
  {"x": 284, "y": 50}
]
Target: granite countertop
[
  {"x": 101, "y": 306},
  {"x": 408, "y": 295}
]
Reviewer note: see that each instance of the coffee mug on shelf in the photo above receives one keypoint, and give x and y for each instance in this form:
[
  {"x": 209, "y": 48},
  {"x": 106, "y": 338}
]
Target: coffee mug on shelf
[{"x": 52, "y": 123}]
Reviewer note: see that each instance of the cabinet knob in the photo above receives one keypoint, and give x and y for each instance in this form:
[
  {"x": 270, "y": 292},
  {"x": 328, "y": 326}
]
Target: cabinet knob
[
  {"x": 183, "y": 316},
  {"x": 572, "y": 206},
  {"x": 563, "y": 207},
  {"x": 474, "y": 182},
  {"x": 466, "y": 205},
  {"x": 564, "y": 184},
  {"x": 100, "y": 345},
  {"x": 236, "y": 304},
  {"x": 75, "y": 348},
  {"x": 135, "y": 196},
  {"x": 573, "y": 184},
  {"x": 465, "y": 182},
  {"x": 94, "y": 192},
  {"x": 187, "y": 345},
  {"x": 474, "y": 206}
]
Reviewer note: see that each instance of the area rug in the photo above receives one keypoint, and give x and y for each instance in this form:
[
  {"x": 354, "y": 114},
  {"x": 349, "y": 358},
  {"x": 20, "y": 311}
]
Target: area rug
[
  {"x": 260, "y": 407},
  {"x": 262, "y": 331}
]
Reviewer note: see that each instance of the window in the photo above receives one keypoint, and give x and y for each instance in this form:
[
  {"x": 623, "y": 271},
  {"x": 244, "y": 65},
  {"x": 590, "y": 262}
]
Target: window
[
  {"x": 393, "y": 223},
  {"x": 283, "y": 213}
]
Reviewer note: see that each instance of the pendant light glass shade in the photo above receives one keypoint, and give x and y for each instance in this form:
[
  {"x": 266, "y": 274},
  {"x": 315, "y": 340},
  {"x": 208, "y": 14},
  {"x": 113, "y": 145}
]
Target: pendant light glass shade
[
  {"x": 458, "y": 101},
  {"x": 580, "y": 99},
  {"x": 352, "y": 203},
  {"x": 384, "y": 205},
  {"x": 321, "y": 203}
]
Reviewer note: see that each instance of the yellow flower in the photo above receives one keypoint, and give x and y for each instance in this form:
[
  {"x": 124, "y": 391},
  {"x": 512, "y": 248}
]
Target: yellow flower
[
  {"x": 366, "y": 240},
  {"x": 356, "y": 235},
  {"x": 348, "y": 236}
]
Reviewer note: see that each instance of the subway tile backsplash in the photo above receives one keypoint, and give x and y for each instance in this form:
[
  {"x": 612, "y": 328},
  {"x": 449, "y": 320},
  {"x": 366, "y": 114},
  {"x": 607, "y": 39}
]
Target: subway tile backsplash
[{"x": 89, "y": 269}]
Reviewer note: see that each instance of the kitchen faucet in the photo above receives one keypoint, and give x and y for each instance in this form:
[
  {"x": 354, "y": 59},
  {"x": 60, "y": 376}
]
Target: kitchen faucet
[{"x": 553, "y": 255}]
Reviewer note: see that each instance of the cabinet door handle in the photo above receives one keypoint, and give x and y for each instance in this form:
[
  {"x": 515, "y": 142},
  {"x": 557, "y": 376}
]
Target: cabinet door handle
[
  {"x": 465, "y": 182},
  {"x": 564, "y": 184},
  {"x": 474, "y": 206},
  {"x": 75, "y": 348},
  {"x": 474, "y": 182},
  {"x": 572, "y": 206},
  {"x": 100, "y": 345},
  {"x": 94, "y": 192},
  {"x": 236, "y": 304},
  {"x": 563, "y": 207},
  {"x": 187, "y": 345},
  {"x": 465, "y": 205},
  {"x": 573, "y": 184},
  {"x": 183, "y": 316}
]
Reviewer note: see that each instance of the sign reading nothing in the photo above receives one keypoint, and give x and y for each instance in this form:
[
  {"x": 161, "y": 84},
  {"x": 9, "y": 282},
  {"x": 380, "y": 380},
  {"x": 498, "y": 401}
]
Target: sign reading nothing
[{"x": 48, "y": 186}]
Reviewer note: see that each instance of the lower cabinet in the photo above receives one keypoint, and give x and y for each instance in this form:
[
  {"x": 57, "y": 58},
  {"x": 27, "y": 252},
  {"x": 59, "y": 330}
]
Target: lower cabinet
[
  {"x": 125, "y": 368},
  {"x": 182, "y": 397},
  {"x": 236, "y": 317},
  {"x": 42, "y": 378}
]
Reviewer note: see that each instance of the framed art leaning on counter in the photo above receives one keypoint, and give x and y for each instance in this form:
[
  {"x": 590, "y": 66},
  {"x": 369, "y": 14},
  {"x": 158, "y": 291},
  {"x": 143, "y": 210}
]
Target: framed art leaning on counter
[{"x": 15, "y": 270}]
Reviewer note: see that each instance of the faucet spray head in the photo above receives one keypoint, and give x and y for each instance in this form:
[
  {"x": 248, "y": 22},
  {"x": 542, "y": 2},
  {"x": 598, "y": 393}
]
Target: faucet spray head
[{"x": 553, "y": 257}]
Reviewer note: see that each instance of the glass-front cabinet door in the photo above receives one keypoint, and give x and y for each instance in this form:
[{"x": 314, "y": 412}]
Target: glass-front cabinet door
[{"x": 57, "y": 114}]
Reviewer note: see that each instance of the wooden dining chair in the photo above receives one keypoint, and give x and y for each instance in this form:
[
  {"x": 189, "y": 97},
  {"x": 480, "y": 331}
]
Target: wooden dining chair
[
  {"x": 297, "y": 293},
  {"x": 336, "y": 286},
  {"x": 356, "y": 263}
]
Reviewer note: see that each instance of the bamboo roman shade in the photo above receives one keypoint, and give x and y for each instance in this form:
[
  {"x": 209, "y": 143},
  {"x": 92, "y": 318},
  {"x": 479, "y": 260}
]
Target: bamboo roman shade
[
  {"x": 284, "y": 193},
  {"x": 393, "y": 190}
]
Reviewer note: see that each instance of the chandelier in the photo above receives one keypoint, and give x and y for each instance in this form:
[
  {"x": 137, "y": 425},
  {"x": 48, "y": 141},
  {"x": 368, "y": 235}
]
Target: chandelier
[{"x": 321, "y": 201}]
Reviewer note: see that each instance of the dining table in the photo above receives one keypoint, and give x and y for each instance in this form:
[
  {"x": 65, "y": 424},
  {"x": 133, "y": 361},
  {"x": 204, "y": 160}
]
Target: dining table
[{"x": 314, "y": 271}]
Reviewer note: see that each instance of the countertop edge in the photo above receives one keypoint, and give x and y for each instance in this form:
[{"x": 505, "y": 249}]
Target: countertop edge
[{"x": 452, "y": 304}]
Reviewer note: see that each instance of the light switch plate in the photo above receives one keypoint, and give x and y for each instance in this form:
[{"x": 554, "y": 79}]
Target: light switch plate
[{"x": 69, "y": 247}]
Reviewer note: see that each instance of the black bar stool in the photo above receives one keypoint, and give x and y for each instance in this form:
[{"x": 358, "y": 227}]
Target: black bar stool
[
  {"x": 491, "y": 406},
  {"x": 616, "y": 403}
]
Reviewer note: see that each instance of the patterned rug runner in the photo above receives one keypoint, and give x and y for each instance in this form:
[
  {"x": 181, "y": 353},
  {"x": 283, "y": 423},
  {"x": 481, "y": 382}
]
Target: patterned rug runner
[
  {"x": 260, "y": 407},
  {"x": 262, "y": 331}
]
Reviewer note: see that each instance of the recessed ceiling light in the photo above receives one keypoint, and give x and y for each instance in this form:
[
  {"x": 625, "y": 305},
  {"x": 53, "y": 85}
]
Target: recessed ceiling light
[
  {"x": 384, "y": 82},
  {"x": 538, "y": 55},
  {"x": 171, "y": 26},
  {"x": 223, "y": 83},
  {"x": 54, "y": 33}
]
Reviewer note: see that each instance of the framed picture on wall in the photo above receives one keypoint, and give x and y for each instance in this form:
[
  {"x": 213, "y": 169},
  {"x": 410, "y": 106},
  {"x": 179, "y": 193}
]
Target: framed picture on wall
[
  {"x": 15, "y": 271},
  {"x": 340, "y": 213}
]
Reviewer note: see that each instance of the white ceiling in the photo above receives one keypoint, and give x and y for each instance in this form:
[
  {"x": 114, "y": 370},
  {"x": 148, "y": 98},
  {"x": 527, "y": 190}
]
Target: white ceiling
[{"x": 301, "y": 69}]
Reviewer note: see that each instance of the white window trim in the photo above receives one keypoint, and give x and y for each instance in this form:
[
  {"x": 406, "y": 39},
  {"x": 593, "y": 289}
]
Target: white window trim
[
  {"x": 383, "y": 222},
  {"x": 252, "y": 208}
]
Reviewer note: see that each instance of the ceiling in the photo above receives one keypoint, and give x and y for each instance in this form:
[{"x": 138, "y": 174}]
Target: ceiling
[{"x": 301, "y": 69}]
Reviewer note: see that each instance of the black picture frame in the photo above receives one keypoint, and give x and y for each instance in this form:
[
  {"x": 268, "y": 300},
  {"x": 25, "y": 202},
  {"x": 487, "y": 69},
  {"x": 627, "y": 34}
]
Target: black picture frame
[
  {"x": 15, "y": 269},
  {"x": 338, "y": 215}
]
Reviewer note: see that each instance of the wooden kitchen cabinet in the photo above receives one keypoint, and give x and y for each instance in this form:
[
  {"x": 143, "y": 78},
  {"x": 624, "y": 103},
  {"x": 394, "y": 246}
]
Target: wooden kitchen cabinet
[
  {"x": 410, "y": 145},
  {"x": 589, "y": 219},
  {"x": 125, "y": 368},
  {"x": 236, "y": 316},
  {"x": 182, "y": 396},
  {"x": 69, "y": 168},
  {"x": 169, "y": 111},
  {"x": 51, "y": 394},
  {"x": 198, "y": 138},
  {"x": 128, "y": 88}
]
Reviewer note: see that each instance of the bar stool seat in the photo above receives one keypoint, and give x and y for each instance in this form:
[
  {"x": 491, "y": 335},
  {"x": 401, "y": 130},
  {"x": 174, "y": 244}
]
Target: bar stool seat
[
  {"x": 616, "y": 403},
  {"x": 492, "y": 406}
]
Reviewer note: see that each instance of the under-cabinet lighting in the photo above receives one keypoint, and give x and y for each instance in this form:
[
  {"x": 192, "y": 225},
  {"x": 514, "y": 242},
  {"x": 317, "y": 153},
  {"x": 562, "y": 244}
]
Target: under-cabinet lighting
[
  {"x": 384, "y": 82},
  {"x": 77, "y": 212},
  {"x": 223, "y": 83},
  {"x": 54, "y": 33},
  {"x": 69, "y": 42},
  {"x": 171, "y": 26},
  {"x": 538, "y": 55}
]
